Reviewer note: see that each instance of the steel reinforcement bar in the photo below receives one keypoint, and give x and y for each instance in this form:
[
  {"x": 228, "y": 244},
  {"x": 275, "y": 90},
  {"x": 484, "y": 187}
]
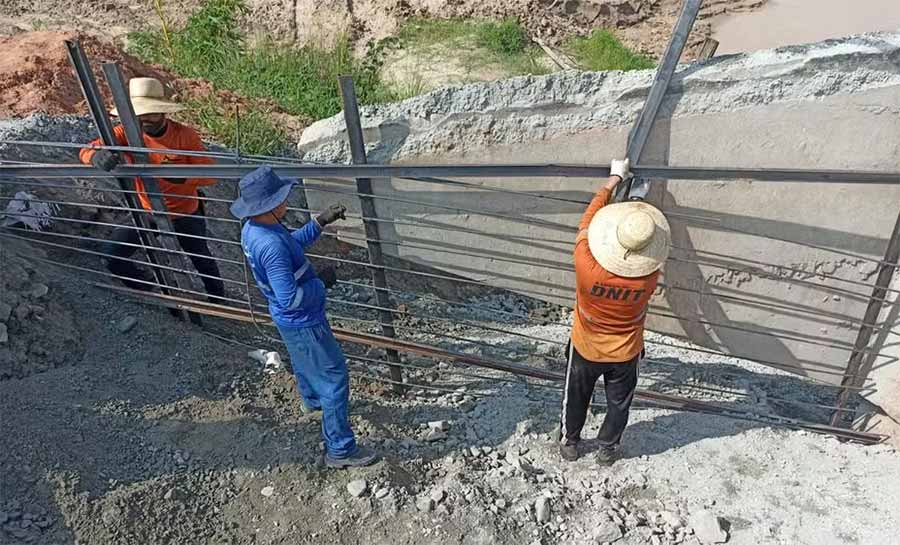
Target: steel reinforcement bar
[
  {"x": 459, "y": 171},
  {"x": 660, "y": 399}
]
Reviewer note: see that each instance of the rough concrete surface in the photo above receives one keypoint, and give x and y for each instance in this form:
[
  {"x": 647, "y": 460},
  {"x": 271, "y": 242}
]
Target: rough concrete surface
[{"x": 795, "y": 257}]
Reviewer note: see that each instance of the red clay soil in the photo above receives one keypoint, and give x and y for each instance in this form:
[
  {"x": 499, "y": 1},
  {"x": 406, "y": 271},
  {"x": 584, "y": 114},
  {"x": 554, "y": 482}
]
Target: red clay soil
[{"x": 36, "y": 75}]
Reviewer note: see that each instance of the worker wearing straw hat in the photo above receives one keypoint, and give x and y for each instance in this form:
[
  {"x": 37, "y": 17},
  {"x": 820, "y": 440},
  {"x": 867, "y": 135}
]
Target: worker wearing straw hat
[
  {"x": 619, "y": 250},
  {"x": 181, "y": 197}
]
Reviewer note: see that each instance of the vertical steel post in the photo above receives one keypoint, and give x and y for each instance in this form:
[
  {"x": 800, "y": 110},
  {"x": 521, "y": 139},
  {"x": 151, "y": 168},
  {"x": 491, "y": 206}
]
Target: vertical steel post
[
  {"x": 104, "y": 127},
  {"x": 854, "y": 377},
  {"x": 376, "y": 257},
  {"x": 135, "y": 138},
  {"x": 640, "y": 133}
]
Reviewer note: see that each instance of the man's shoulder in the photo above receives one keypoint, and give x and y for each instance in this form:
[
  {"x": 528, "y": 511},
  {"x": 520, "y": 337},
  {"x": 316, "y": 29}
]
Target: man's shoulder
[
  {"x": 260, "y": 236},
  {"x": 183, "y": 130}
]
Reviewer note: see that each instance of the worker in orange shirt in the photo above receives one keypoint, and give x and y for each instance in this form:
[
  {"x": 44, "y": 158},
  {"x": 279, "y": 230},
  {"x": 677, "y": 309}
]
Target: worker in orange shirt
[
  {"x": 618, "y": 252},
  {"x": 181, "y": 197}
]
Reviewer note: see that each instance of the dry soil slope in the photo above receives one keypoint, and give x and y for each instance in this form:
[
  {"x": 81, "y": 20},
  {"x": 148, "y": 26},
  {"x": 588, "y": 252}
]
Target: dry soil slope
[{"x": 643, "y": 24}]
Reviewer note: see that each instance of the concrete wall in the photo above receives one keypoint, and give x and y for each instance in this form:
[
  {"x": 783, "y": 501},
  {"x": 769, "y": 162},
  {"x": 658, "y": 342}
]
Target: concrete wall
[{"x": 834, "y": 105}]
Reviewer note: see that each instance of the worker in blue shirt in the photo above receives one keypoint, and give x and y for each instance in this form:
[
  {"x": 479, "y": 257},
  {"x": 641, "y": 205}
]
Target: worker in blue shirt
[{"x": 296, "y": 295}]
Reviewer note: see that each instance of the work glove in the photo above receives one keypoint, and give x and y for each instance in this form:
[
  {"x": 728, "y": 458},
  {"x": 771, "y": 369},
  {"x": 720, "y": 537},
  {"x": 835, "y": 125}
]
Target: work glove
[
  {"x": 332, "y": 214},
  {"x": 328, "y": 277},
  {"x": 621, "y": 168},
  {"x": 105, "y": 159}
]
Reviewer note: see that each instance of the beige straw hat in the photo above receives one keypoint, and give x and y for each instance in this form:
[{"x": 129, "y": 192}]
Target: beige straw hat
[
  {"x": 629, "y": 239},
  {"x": 149, "y": 97}
]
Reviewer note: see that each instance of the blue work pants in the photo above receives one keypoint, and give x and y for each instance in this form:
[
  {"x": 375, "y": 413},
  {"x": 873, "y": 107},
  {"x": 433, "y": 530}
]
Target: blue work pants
[{"x": 323, "y": 381}]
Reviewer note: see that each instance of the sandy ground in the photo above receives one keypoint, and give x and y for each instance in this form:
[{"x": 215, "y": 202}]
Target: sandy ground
[
  {"x": 165, "y": 434},
  {"x": 642, "y": 24}
]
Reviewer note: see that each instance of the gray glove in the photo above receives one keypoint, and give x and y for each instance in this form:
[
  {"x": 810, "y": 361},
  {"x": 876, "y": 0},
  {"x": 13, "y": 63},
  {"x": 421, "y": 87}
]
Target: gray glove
[
  {"x": 332, "y": 214},
  {"x": 105, "y": 159}
]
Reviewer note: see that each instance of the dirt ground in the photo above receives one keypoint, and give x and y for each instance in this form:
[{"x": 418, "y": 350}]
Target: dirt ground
[
  {"x": 36, "y": 75},
  {"x": 167, "y": 434},
  {"x": 642, "y": 24}
]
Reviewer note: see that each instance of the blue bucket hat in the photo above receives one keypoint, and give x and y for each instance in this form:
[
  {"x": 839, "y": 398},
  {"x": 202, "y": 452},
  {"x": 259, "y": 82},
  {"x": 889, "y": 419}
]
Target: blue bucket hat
[{"x": 261, "y": 191}]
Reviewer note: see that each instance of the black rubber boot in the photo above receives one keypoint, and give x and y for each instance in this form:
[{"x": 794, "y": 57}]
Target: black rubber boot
[{"x": 569, "y": 453}]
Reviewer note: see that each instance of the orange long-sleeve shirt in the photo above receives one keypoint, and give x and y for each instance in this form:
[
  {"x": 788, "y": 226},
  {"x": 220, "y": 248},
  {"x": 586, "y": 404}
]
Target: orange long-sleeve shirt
[
  {"x": 608, "y": 326},
  {"x": 179, "y": 198}
]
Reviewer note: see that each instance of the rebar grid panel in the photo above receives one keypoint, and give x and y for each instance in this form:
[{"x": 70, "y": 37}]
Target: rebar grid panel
[{"x": 436, "y": 175}]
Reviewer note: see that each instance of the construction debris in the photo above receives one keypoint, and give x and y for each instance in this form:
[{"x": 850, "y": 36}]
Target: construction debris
[
  {"x": 126, "y": 324},
  {"x": 425, "y": 504},
  {"x": 708, "y": 528},
  {"x": 357, "y": 487}
]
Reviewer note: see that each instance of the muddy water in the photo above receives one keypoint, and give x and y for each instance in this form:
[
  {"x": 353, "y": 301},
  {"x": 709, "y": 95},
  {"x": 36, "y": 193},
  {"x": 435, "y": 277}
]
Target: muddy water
[{"x": 786, "y": 22}]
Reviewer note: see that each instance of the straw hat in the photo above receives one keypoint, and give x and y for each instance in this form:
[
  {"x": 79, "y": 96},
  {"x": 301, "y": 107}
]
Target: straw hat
[
  {"x": 149, "y": 97},
  {"x": 629, "y": 239}
]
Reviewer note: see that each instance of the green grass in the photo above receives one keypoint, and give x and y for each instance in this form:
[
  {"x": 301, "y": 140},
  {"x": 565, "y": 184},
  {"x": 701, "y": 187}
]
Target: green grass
[
  {"x": 477, "y": 43},
  {"x": 302, "y": 81},
  {"x": 258, "y": 135},
  {"x": 603, "y": 51},
  {"x": 506, "y": 37}
]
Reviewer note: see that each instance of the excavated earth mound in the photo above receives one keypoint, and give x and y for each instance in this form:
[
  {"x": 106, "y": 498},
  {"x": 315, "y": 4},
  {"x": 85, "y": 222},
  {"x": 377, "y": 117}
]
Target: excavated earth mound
[
  {"x": 37, "y": 333},
  {"x": 36, "y": 75},
  {"x": 642, "y": 24}
]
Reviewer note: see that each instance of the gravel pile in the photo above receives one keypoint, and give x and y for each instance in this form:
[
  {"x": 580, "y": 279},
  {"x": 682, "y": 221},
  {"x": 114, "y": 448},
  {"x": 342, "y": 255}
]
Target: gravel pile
[{"x": 37, "y": 333}]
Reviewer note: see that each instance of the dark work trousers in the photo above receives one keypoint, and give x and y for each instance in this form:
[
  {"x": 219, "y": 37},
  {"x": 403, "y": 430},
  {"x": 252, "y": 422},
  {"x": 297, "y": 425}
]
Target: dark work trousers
[
  {"x": 185, "y": 225},
  {"x": 619, "y": 381}
]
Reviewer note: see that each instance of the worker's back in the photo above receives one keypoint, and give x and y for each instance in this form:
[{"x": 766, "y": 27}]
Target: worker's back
[
  {"x": 608, "y": 325},
  {"x": 610, "y": 309},
  {"x": 284, "y": 274}
]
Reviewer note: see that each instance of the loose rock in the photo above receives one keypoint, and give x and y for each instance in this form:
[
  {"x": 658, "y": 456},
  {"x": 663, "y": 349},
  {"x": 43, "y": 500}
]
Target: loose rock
[
  {"x": 382, "y": 493},
  {"x": 607, "y": 531},
  {"x": 439, "y": 425},
  {"x": 5, "y": 312},
  {"x": 38, "y": 291},
  {"x": 542, "y": 509},
  {"x": 438, "y": 495},
  {"x": 4, "y": 334},
  {"x": 127, "y": 324},
  {"x": 671, "y": 519},
  {"x": 708, "y": 527},
  {"x": 357, "y": 488},
  {"x": 425, "y": 504},
  {"x": 268, "y": 491},
  {"x": 434, "y": 435}
]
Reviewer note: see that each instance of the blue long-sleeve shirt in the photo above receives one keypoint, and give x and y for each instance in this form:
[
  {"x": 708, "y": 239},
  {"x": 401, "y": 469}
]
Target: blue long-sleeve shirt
[{"x": 284, "y": 274}]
